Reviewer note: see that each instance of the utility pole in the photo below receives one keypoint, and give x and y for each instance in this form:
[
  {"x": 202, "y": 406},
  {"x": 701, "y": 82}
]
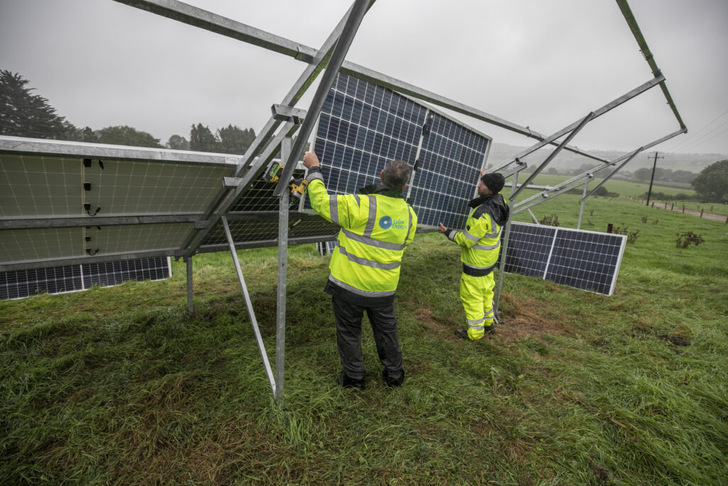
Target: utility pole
[{"x": 654, "y": 165}]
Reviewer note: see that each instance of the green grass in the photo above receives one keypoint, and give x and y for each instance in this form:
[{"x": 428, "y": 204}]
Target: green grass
[{"x": 119, "y": 386}]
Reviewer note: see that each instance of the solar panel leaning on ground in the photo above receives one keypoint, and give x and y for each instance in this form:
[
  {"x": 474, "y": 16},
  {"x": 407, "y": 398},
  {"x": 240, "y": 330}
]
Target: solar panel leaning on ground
[
  {"x": 584, "y": 260},
  {"x": 18, "y": 284},
  {"x": 363, "y": 126}
]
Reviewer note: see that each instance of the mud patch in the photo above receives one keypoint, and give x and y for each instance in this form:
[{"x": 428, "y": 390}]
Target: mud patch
[{"x": 513, "y": 325}]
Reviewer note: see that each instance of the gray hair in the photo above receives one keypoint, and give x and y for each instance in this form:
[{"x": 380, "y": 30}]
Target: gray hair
[{"x": 396, "y": 174}]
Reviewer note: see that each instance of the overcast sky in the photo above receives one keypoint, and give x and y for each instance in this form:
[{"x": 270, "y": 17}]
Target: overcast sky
[{"x": 537, "y": 63}]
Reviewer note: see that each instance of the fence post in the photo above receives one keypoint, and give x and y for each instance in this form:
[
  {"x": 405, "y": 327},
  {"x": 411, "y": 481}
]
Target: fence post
[{"x": 701, "y": 212}]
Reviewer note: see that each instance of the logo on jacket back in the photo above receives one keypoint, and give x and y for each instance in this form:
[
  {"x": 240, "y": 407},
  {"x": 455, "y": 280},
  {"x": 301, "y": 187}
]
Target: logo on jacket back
[{"x": 385, "y": 222}]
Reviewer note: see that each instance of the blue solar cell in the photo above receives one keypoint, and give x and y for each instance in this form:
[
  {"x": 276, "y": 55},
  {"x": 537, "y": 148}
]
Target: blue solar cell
[
  {"x": 357, "y": 112},
  {"x": 328, "y": 102},
  {"x": 343, "y": 130},
  {"x": 348, "y": 110},
  {"x": 352, "y": 135},
  {"x": 333, "y": 129},
  {"x": 351, "y": 86}
]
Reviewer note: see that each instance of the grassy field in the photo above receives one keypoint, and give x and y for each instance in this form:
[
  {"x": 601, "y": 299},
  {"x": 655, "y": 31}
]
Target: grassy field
[{"x": 119, "y": 386}]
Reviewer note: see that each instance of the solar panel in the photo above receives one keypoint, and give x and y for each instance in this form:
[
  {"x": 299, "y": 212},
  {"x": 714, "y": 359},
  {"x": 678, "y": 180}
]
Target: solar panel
[
  {"x": 585, "y": 260},
  {"x": 113, "y": 273},
  {"x": 54, "y": 185},
  {"x": 74, "y": 214},
  {"x": 70, "y": 278},
  {"x": 55, "y": 280},
  {"x": 529, "y": 247},
  {"x": 363, "y": 126}
]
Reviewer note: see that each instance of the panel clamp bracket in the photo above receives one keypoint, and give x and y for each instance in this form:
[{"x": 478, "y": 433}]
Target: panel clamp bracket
[
  {"x": 286, "y": 113},
  {"x": 229, "y": 182}
]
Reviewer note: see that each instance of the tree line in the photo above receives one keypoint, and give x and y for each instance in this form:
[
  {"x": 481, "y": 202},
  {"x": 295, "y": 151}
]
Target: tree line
[{"x": 25, "y": 114}]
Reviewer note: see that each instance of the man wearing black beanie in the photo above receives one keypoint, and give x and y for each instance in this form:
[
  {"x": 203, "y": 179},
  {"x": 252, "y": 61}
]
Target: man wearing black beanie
[{"x": 480, "y": 242}]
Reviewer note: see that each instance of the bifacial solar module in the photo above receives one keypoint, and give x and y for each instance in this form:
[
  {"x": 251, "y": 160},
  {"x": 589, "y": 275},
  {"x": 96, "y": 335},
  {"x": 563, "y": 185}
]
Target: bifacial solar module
[
  {"x": 584, "y": 260},
  {"x": 363, "y": 126},
  {"x": 55, "y": 280},
  {"x": 39, "y": 186},
  {"x": 62, "y": 203},
  {"x": 113, "y": 273}
]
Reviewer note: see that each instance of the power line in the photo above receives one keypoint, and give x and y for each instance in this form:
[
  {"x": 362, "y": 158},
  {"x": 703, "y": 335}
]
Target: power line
[
  {"x": 710, "y": 135},
  {"x": 693, "y": 138}
]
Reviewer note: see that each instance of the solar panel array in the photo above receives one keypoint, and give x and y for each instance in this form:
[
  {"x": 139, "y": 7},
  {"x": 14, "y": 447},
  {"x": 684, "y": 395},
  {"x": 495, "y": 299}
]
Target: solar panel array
[
  {"x": 24, "y": 283},
  {"x": 584, "y": 260},
  {"x": 363, "y": 126}
]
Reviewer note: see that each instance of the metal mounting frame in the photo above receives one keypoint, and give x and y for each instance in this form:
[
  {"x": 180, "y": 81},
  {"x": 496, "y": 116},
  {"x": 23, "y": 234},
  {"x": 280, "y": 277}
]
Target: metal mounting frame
[{"x": 286, "y": 121}]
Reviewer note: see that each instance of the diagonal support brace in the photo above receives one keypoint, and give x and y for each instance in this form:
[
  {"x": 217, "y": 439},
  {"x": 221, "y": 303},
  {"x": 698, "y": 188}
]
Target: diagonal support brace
[{"x": 249, "y": 305}]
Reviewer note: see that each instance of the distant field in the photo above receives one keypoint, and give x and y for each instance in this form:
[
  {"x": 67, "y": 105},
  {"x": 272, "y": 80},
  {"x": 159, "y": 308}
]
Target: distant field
[
  {"x": 636, "y": 190},
  {"x": 623, "y": 188}
]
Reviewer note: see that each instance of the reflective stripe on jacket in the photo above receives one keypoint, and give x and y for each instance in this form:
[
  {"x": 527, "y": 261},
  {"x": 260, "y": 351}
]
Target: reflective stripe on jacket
[
  {"x": 375, "y": 229},
  {"x": 480, "y": 242}
]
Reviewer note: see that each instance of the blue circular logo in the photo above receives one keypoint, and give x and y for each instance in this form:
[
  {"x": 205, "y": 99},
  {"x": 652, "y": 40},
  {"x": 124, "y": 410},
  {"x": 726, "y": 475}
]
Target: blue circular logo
[{"x": 385, "y": 222}]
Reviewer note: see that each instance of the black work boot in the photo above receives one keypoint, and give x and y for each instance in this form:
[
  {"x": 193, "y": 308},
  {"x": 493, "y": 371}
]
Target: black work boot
[
  {"x": 461, "y": 333},
  {"x": 347, "y": 382},
  {"x": 392, "y": 382}
]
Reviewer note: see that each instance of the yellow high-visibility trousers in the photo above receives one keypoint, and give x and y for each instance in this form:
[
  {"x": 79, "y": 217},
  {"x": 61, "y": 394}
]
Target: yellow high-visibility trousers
[{"x": 476, "y": 294}]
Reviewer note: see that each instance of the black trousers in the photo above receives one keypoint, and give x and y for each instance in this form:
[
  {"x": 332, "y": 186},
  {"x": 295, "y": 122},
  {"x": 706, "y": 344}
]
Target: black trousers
[{"x": 348, "y": 337}]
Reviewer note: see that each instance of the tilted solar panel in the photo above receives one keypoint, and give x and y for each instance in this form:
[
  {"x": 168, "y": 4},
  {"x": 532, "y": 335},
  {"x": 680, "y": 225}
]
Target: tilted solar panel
[
  {"x": 363, "y": 126},
  {"x": 585, "y": 260}
]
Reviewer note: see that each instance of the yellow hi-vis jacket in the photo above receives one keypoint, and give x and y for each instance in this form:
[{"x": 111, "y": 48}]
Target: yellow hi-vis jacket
[
  {"x": 480, "y": 241},
  {"x": 375, "y": 230}
]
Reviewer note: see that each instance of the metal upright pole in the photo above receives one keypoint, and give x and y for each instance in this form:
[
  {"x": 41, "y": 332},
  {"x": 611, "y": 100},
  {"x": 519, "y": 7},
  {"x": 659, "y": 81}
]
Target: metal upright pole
[
  {"x": 282, "y": 279},
  {"x": 188, "y": 263},
  {"x": 583, "y": 201},
  {"x": 504, "y": 250},
  {"x": 649, "y": 191}
]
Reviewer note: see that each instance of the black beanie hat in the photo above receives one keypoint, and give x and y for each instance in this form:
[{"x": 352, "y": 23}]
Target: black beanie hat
[{"x": 494, "y": 182}]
